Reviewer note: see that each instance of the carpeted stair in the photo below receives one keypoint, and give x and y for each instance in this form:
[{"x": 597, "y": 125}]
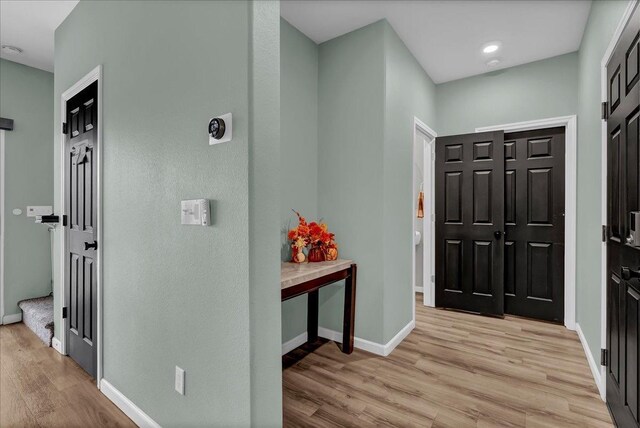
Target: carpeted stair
[{"x": 37, "y": 314}]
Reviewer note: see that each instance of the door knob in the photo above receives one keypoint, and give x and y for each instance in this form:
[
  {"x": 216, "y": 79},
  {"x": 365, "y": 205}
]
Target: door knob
[
  {"x": 628, "y": 274},
  {"x": 497, "y": 234},
  {"x": 89, "y": 245}
]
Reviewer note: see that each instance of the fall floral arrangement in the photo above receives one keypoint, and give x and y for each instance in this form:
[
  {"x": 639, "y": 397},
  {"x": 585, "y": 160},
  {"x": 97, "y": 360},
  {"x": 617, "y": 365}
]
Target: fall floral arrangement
[{"x": 316, "y": 236}]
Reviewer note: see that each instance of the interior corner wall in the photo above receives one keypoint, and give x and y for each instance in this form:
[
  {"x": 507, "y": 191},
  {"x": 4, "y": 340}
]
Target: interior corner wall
[
  {"x": 409, "y": 93},
  {"x": 299, "y": 152},
  {"x": 351, "y": 100},
  {"x": 264, "y": 214},
  {"x": 603, "y": 21},
  {"x": 538, "y": 90},
  {"x": 178, "y": 295},
  {"x": 26, "y": 96}
]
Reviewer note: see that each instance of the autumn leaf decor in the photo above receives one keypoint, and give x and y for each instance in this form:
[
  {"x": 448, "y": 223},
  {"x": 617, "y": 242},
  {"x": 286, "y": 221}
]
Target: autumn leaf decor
[{"x": 316, "y": 236}]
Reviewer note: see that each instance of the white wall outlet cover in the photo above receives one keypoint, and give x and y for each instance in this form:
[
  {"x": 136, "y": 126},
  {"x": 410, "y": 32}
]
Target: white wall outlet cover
[
  {"x": 228, "y": 132},
  {"x": 179, "y": 386},
  {"x": 17, "y": 211},
  {"x": 34, "y": 211}
]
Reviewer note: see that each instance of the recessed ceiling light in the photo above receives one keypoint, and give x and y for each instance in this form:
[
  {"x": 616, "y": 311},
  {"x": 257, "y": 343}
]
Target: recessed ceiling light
[
  {"x": 493, "y": 62},
  {"x": 13, "y": 50},
  {"x": 491, "y": 47}
]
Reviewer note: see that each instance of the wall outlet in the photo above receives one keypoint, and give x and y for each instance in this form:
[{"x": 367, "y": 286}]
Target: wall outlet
[{"x": 179, "y": 380}]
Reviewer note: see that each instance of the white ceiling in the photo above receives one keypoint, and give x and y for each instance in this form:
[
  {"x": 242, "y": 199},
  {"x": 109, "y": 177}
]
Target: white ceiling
[
  {"x": 30, "y": 25},
  {"x": 446, "y": 37}
]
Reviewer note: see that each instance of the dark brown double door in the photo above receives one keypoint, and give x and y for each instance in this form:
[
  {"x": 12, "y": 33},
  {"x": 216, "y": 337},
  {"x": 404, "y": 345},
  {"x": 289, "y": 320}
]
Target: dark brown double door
[
  {"x": 81, "y": 229},
  {"x": 500, "y": 223},
  {"x": 623, "y": 256}
]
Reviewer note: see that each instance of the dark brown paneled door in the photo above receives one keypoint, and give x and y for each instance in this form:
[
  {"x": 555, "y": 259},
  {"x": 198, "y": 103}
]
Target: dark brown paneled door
[
  {"x": 470, "y": 222},
  {"x": 534, "y": 224},
  {"x": 80, "y": 207},
  {"x": 623, "y": 257}
]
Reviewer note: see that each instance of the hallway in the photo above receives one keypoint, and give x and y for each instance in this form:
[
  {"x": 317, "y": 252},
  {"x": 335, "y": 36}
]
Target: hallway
[
  {"x": 40, "y": 387},
  {"x": 453, "y": 370}
]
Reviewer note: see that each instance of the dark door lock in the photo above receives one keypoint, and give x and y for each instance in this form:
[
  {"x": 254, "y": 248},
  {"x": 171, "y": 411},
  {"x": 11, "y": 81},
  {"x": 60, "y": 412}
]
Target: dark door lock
[
  {"x": 497, "y": 234},
  {"x": 89, "y": 245},
  {"x": 628, "y": 274}
]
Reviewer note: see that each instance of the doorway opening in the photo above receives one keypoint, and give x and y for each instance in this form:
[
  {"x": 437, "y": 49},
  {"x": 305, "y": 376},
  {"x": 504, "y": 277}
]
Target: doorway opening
[{"x": 423, "y": 220}]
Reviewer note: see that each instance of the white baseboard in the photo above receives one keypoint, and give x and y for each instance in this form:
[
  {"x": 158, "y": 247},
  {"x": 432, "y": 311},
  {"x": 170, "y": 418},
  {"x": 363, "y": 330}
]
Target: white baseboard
[
  {"x": 595, "y": 367},
  {"x": 57, "y": 345},
  {"x": 418, "y": 289},
  {"x": 292, "y": 344},
  {"x": 139, "y": 417},
  {"x": 367, "y": 345},
  {"x": 12, "y": 319}
]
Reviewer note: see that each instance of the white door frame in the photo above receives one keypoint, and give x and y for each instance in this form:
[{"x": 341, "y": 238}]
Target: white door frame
[
  {"x": 602, "y": 384},
  {"x": 2, "y": 215},
  {"x": 571, "y": 171},
  {"x": 428, "y": 253},
  {"x": 93, "y": 76}
]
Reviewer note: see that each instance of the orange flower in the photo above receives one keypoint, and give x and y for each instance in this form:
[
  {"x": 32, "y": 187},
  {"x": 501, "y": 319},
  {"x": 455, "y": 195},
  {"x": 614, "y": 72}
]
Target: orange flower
[
  {"x": 292, "y": 234},
  {"x": 303, "y": 230}
]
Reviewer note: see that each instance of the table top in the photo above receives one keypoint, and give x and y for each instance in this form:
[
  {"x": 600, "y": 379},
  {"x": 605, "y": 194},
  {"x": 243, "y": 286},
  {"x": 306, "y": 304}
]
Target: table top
[{"x": 296, "y": 273}]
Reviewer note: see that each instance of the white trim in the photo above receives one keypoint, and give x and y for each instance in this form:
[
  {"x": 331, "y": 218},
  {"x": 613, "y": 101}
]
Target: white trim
[
  {"x": 292, "y": 344},
  {"x": 626, "y": 16},
  {"x": 56, "y": 344},
  {"x": 428, "y": 226},
  {"x": 12, "y": 319},
  {"x": 127, "y": 406},
  {"x": 93, "y": 76},
  {"x": 367, "y": 345},
  {"x": 595, "y": 368},
  {"x": 571, "y": 173},
  {"x": 418, "y": 289},
  {"x": 2, "y": 214}
]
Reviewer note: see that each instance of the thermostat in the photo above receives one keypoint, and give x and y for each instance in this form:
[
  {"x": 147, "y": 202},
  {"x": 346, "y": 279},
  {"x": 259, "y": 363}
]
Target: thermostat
[
  {"x": 220, "y": 129},
  {"x": 195, "y": 212}
]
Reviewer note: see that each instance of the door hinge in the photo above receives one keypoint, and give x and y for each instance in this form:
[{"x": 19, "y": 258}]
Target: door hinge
[
  {"x": 433, "y": 278},
  {"x": 605, "y": 110},
  {"x": 65, "y": 128},
  {"x": 605, "y": 233},
  {"x": 64, "y": 221},
  {"x": 64, "y": 312},
  {"x": 604, "y": 357}
]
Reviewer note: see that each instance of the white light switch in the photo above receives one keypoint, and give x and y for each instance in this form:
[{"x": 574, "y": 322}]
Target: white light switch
[
  {"x": 179, "y": 381},
  {"x": 195, "y": 212}
]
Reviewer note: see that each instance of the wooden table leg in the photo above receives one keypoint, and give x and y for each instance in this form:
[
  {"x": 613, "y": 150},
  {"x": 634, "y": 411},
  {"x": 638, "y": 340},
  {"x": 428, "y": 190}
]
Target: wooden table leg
[
  {"x": 349, "y": 311},
  {"x": 312, "y": 316}
]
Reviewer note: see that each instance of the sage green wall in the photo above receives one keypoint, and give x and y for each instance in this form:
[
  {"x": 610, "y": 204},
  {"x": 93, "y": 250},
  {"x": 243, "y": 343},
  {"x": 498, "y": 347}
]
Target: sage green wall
[
  {"x": 603, "y": 20},
  {"x": 370, "y": 89},
  {"x": 351, "y": 107},
  {"x": 299, "y": 151},
  {"x": 541, "y": 89},
  {"x": 264, "y": 213},
  {"x": 410, "y": 93},
  {"x": 26, "y": 96},
  {"x": 202, "y": 298}
]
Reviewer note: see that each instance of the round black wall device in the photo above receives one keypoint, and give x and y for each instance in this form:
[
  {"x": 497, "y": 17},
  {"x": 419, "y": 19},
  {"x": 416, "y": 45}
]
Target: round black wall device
[{"x": 216, "y": 128}]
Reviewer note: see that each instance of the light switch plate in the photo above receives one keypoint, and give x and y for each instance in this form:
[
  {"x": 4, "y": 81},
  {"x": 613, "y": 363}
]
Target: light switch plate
[
  {"x": 33, "y": 211},
  {"x": 179, "y": 386},
  {"x": 195, "y": 212}
]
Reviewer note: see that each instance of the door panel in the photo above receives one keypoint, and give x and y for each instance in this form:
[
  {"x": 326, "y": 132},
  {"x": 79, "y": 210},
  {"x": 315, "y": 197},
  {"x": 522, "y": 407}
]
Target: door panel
[
  {"x": 623, "y": 259},
  {"x": 469, "y": 210},
  {"x": 80, "y": 206},
  {"x": 534, "y": 223}
]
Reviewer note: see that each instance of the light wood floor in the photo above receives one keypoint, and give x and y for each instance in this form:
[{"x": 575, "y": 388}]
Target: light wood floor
[
  {"x": 41, "y": 388},
  {"x": 454, "y": 370}
]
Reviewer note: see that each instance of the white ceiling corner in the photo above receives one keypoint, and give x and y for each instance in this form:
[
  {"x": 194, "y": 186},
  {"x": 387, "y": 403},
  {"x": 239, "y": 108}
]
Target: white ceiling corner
[{"x": 446, "y": 36}]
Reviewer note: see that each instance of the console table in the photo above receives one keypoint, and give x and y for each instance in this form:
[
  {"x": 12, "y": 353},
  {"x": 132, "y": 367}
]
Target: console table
[{"x": 307, "y": 278}]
